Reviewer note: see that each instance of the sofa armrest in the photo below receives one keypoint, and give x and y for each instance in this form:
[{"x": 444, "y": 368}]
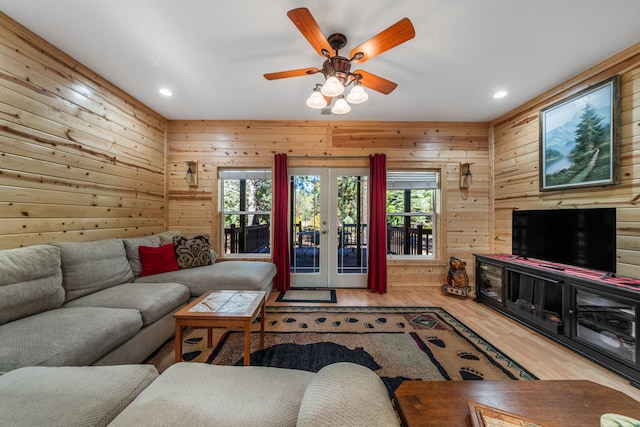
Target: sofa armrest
[
  {"x": 70, "y": 395},
  {"x": 346, "y": 394}
]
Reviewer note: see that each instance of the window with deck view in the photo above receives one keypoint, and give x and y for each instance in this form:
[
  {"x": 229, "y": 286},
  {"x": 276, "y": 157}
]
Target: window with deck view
[
  {"x": 411, "y": 199},
  {"x": 246, "y": 211}
]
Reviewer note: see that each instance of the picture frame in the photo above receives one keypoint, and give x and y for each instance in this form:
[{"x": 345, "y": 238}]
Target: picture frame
[
  {"x": 488, "y": 416},
  {"x": 579, "y": 138}
]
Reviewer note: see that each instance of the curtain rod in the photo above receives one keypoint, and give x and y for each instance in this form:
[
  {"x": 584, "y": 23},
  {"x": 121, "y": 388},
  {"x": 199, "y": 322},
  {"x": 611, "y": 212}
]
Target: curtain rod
[{"x": 327, "y": 157}]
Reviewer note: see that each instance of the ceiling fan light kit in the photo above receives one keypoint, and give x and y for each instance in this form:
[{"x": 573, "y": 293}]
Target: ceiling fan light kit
[
  {"x": 341, "y": 106},
  {"x": 332, "y": 87},
  {"x": 316, "y": 100},
  {"x": 357, "y": 95},
  {"x": 337, "y": 69}
]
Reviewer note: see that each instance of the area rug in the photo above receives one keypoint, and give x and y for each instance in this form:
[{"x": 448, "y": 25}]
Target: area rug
[
  {"x": 397, "y": 343},
  {"x": 308, "y": 295}
]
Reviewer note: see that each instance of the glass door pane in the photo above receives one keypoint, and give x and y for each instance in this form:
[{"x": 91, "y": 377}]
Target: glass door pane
[
  {"x": 350, "y": 198},
  {"x": 607, "y": 323},
  {"x": 490, "y": 282},
  {"x": 308, "y": 229}
]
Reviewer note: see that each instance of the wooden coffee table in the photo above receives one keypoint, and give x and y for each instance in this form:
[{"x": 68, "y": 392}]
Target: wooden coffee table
[
  {"x": 551, "y": 403},
  {"x": 230, "y": 309}
]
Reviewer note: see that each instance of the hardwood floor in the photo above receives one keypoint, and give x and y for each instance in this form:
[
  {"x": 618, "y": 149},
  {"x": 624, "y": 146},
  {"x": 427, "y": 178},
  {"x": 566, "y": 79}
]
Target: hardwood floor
[{"x": 540, "y": 355}]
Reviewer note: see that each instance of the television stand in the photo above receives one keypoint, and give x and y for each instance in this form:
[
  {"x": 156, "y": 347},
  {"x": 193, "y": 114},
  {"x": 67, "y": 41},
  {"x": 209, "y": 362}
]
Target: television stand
[
  {"x": 555, "y": 267},
  {"x": 593, "y": 314}
]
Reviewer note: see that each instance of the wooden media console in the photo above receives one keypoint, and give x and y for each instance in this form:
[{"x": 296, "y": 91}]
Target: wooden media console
[{"x": 591, "y": 312}]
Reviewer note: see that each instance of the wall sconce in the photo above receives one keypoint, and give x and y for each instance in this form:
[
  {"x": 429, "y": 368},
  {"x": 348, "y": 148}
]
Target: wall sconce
[
  {"x": 465, "y": 175},
  {"x": 192, "y": 173}
]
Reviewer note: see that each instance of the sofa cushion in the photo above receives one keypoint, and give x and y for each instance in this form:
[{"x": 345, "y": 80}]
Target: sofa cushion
[
  {"x": 168, "y": 236},
  {"x": 153, "y": 300},
  {"x": 25, "y": 290},
  {"x": 214, "y": 256},
  {"x": 65, "y": 336},
  {"x": 192, "y": 252},
  {"x": 70, "y": 396},
  {"x": 132, "y": 246},
  {"x": 231, "y": 275},
  {"x": 88, "y": 267},
  {"x": 198, "y": 394},
  {"x": 158, "y": 260},
  {"x": 346, "y": 394}
]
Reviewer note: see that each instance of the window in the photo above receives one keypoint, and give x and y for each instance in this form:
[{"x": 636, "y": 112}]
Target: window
[
  {"x": 411, "y": 201},
  {"x": 246, "y": 211}
]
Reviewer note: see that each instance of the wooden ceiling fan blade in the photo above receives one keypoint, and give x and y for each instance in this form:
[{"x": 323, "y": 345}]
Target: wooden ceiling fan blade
[
  {"x": 291, "y": 73},
  {"x": 393, "y": 36},
  {"x": 302, "y": 18},
  {"x": 376, "y": 83}
]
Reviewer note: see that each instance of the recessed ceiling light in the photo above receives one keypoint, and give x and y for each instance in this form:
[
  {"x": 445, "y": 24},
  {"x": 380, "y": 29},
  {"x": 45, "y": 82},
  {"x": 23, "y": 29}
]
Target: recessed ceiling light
[
  {"x": 500, "y": 94},
  {"x": 165, "y": 92}
]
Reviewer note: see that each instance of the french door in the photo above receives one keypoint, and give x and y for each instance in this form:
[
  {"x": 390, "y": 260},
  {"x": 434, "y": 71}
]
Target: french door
[{"x": 328, "y": 229}]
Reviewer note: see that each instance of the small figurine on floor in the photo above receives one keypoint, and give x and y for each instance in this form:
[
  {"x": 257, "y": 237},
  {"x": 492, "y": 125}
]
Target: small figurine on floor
[{"x": 457, "y": 279}]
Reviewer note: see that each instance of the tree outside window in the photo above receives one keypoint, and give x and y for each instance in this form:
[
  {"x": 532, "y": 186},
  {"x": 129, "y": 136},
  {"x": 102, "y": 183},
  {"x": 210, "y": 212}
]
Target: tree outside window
[
  {"x": 411, "y": 199},
  {"x": 246, "y": 211}
]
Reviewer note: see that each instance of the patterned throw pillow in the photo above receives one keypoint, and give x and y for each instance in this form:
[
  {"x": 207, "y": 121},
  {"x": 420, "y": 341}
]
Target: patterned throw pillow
[{"x": 192, "y": 252}]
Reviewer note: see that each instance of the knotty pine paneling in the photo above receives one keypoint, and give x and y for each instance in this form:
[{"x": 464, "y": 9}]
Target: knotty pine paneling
[
  {"x": 516, "y": 162},
  {"x": 247, "y": 144},
  {"x": 82, "y": 160},
  {"x": 79, "y": 158}
]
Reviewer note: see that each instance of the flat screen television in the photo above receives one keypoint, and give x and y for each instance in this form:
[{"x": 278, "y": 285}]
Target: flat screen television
[{"x": 580, "y": 237}]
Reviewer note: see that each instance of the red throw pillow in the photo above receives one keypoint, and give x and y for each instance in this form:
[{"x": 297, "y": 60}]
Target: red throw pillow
[{"x": 158, "y": 260}]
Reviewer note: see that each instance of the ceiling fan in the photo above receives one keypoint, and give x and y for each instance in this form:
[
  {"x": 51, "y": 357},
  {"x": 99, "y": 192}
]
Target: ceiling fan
[{"x": 337, "y": 69}]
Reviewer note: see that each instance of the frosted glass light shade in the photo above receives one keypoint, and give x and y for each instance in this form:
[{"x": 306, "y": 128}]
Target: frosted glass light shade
[
  {"x": 316, "y": 100},
  {"x": 332, "y": 87},
  {"x": 357, "y": 95},
  {"x": 341, "y": 106}
]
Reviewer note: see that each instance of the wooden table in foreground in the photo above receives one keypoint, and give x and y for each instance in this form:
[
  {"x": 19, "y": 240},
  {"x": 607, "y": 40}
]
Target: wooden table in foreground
[
  {"x": 551, "y": 403},
  {"x": 230, "y": 309}
]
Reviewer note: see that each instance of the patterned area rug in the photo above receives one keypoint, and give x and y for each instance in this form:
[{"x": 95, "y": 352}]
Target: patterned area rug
[{"x": 397, "y": 343}]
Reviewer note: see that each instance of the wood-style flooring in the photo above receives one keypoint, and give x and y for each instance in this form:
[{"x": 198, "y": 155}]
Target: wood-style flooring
[{"x": 537, "y": 353}]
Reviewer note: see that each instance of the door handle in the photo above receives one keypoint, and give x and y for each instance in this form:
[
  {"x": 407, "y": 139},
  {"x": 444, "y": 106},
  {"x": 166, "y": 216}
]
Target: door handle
[{"x": 324, "y": 231}]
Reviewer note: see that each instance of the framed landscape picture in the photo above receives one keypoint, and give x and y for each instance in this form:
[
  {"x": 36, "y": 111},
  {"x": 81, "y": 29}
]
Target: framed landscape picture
[
  {"x": 579, "y": 139},
  {"x": 488, "y": 416}
]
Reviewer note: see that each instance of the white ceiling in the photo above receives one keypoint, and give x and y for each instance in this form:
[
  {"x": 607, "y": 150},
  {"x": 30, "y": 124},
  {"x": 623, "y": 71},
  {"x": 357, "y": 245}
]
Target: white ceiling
[{"x": 213, "y": 54}]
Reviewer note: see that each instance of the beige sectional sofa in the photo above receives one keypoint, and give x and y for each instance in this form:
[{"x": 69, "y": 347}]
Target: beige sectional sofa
[
  {"x": 65, "y": 306},
  {"x": 195, "y": 394},
  {"x": 233, "y": 275},
  {"x": 82, "y": 303}
]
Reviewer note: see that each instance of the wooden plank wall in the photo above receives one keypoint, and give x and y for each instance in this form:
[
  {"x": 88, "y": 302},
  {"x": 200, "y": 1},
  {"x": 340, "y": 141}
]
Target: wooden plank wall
[
  {"x": 245, "y": 144},
  {"x": 79, "y": 158},
  {"x": 516, "y": 162},
  {"x": 82, "y": 160}
]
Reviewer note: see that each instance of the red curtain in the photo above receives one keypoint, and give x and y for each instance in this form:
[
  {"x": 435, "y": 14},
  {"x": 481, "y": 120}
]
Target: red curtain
[
  {"x": 377, "y": 278},
  {"x": 280, "y": 224}
]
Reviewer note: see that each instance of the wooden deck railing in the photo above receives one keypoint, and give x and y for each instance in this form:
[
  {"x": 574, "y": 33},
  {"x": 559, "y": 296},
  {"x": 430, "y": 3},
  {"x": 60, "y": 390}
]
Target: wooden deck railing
[
  {"x": 249, "y": 239},
  {"x": 400, "y": 240},
  {"x": 408, "y": 240}
]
